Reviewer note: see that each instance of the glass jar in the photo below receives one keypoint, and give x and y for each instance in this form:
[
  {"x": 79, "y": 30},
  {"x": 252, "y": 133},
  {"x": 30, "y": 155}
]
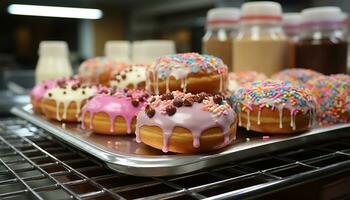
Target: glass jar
[
  {"x": 323, "y": 43},
  {"x": 261, "y": 44},
  {"x": 53, "y": 61},
  {"x": 220, "y": 30},
  {"x": 292, "y": 26}
]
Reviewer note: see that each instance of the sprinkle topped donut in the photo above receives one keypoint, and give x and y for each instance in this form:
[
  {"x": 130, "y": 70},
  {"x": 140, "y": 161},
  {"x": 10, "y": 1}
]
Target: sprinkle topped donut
[
  {"x": 238, "y": 79},
  {"x": 98, "y": 70},
  {"x": 123, "y": 103},
  {"x": 131, "y": 77},
  {"x": 195, "y": 113},
  {"x": 332, "y": 94},
  {"x": 296, "y": 76},
  {"x": 184, "y": 70},
  {"x": 273, "y": 95}
]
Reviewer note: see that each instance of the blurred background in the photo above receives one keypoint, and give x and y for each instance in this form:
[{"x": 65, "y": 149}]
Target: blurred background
[{"x": 180, "y": 20}]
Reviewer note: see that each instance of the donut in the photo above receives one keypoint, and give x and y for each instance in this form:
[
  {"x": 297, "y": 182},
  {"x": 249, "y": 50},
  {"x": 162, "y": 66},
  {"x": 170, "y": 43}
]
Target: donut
[
  {"x": 187, "y": 72},
  {"x": 64, "y": 102},
  {"x": 296, "y": 76},
  {"x": 332, "y": 95},
  {"x": 113, "y": 112},
  {"x": 186, "y": 123},
  {"x": 274, "y": 107},
  {"x": 238, "y": 79},
  {"x": 38, "y": 92},
  {"x": 133, "y": 77},
  {"x": 98, "y": 70}
]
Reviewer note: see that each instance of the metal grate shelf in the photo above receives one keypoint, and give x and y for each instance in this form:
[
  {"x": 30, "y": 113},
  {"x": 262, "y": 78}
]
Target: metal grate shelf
[{"x": 34, "y": 165}]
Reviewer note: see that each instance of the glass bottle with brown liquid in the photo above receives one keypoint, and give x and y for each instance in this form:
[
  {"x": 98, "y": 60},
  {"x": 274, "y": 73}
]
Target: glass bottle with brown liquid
[
  {"x": 261, "y": 44},
  {"x": 221, "y": 29},
  {"x": 292, "y": 26},
  {"x": 322, "y": 45}
]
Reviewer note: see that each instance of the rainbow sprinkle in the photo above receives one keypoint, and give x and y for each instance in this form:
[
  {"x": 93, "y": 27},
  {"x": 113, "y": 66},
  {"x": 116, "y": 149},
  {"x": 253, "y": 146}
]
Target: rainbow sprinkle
[
  {"x": 272, "y": 94},
  {"x": 332, "y": 94},
  {"x": 297, "y": 76},
  {"x": 194, "y": 62}
]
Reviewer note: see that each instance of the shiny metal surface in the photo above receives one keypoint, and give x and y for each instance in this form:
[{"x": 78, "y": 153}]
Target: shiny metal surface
[
  {"x": 35, "y": 165},
  {"x": 123, "y": 154}
]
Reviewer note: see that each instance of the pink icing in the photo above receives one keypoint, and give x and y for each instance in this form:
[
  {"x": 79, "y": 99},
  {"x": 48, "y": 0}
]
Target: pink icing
[
  {"x": 197, "y": 118},
  {"x": 116, "y": 105},
  {"x": 39, "y": 90}
]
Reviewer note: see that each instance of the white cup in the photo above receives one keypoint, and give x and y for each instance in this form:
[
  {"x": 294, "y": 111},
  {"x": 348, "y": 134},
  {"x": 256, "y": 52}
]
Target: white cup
[{"x": 53, "y": 61}]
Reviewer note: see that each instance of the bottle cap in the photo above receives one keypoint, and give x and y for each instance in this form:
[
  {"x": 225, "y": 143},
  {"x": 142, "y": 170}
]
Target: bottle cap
[
  {"x": 223, "y": 16},
  {"x": 322, "y": 16},
  {"x": 53, "y": 48},
  {"x": 291, "y": 19},
  {"x": 118, "y": 50},
  {"x": 261, "y": 10},
  {"x": 147, "y": 51}
]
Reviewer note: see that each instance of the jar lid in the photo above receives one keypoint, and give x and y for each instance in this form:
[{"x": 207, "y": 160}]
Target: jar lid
[
  {"x": 117, "y": 49},
  {"x": 228, "y": 15},
  {"x": 322, "y": 16},
  {"x": 261, "y": 10},
  {"x": 53, "y": 48}
]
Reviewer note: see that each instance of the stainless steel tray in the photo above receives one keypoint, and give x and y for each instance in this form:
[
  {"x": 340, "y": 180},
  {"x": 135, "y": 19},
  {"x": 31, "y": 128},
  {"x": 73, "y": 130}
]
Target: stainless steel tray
[{"x": 123, "y": 154}]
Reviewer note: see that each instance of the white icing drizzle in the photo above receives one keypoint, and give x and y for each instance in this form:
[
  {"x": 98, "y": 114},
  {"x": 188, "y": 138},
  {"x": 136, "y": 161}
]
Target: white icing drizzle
[
  {"x": 66, "y": 97},
  {"x": 259, "y": 115},
  {"x": 248, "y": 119},
  {"x": 133, "y": 77}
]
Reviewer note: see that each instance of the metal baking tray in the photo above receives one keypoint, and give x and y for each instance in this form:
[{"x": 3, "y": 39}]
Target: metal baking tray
[{"x": 124, "y": 154}]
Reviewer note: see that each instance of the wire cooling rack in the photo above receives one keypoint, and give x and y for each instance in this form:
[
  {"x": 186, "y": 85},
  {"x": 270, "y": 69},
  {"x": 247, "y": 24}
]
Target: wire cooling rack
[{"x": 33, "y": 165}]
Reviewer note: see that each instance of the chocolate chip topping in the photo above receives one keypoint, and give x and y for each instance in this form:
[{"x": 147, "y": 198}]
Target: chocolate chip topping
[
  {"x": 135, "y": 102},
  {"x": 170, "y": 110},
  {"x": 50, "y": 95},
  {"x": 167, "y": 96},
  {"x": 150, "y": 111},
  {"x": 83, "y": 92},
  {"x": 141, "y": 99},
  {"x": 64, "y": 92},
  {"x": 188, "y": 102},
  {"x": 178, "y": 102},
  {"x": 152, "y": 99},
  {"x": 123, "y": 76},
  {"x": 217, "y": 99}
]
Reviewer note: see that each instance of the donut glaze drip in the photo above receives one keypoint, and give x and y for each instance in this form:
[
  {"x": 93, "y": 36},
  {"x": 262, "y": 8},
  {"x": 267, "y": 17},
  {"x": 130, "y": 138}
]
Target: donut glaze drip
[
  {"x": 180, "y": 66},
  {"x": 66, "y": 93},
  {"x": 273, "y": 95},
  {"x": 117, "y": 104},
  {"x": 40, "y": 89},
  {"x": 197, "y": 118}
]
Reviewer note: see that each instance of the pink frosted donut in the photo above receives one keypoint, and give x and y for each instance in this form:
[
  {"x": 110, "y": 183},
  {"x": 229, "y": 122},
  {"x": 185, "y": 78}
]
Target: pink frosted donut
[
  {"x": 112, "y": 111},
  {"x": 186, "y": 123},
  {"x": 38, "y": 93}
]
